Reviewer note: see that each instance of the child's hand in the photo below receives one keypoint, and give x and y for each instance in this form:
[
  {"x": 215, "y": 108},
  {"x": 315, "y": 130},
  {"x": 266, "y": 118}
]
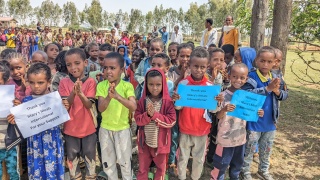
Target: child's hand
[
  {"x": 224, "y": 74},
  {"x": 10, "y": 119},
  {"x": 150, "y": 109},
  {"x": 175, "y": 96},
  {"x": 229, "y": 108},
  {"x": 273, "y": 84},
  {"x": 66, "y": 104},
  {"x": 77, "y": 87},
  {"x": 219, "y": 98},
  {"x": 16, "y": 102},
  {"x": 112, "y": 91},
  {"x": 215, "y": 72},
  {"x": 261, "y": 112},
  {"x": 99, "y": 77},
  {"x": 92, "y": 67},
  {"x": 23, "y": 83},
  {"x": 184, "y": 71}
]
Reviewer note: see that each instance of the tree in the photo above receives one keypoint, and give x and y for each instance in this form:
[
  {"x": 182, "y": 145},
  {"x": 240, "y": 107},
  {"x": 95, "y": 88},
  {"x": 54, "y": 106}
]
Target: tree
[
  {"x": 83, "y": 16},
  {"x": 258, "y": 23},
  {"x": 281, "y": 27},
  {"x": 2, "y": 6},
  {"x": 45, "y": 11},
  {"x": 135, "y": 19},
  {"x": 105, "y": 18},
  {"x": 95, "y": 14},
  {"x": 19, "y": 9},
  {"x": 148, "y": 19},
  {"x": 70, "y": 14},
  {"x": 56, "y": 14}
]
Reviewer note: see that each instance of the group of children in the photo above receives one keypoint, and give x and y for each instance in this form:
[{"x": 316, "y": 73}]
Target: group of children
[{"x": 144, "y": 89}]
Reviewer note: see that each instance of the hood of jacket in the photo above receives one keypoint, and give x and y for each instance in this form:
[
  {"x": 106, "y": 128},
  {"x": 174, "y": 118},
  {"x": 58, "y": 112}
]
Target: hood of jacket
[
  {"x": 125, "y": 50},
  {"x": 248, "y": 55}
]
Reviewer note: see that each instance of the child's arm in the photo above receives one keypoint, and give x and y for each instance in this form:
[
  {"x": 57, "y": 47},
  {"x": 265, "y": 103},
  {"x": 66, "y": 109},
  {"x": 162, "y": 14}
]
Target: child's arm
[
  {"x": 281, "y": 92},
  {"x": 141, "y": 116},
  {"x": 251, "y": 86},
  {"x": 223, "y": 112},
  {"x": 103, "y": 103},
  {"x": 138, "y": 74},
  {"x": 167, "y": 120}
]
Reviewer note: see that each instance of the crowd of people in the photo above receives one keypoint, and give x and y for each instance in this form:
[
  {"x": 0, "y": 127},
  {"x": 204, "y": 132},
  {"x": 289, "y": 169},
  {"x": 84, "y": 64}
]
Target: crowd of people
[{"x": 109, "y": 82}]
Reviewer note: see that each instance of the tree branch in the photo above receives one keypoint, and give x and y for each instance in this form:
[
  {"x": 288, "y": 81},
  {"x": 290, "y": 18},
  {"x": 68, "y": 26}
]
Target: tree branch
[{"x": 312, "y": 44}]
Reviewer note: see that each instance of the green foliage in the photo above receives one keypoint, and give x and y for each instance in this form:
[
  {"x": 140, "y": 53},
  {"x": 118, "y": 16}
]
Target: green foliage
[
  {"x": 19, "y": 9},
  {"x": 48, "y": 13},
  {"x": 94, "y": 14},
  {"x": 135, "y": 18},
  {"x": 149, "y": 20},
  {"x": 70, "y": 14}
]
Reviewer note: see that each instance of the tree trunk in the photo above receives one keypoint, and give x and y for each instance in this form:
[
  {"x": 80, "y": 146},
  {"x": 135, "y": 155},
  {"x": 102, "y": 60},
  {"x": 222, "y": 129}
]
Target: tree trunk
[
  {"x": 258, "y": 23},
  {"x": 280, "y": 28}
]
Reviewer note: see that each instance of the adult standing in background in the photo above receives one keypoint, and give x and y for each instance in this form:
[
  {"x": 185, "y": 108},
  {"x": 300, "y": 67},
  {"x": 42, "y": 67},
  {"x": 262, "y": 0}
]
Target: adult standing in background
[
  {"x": 154, "y": 32},
  {"x": 165, "y": 37},
  {"x": 210, "y": 35},
  {"x": 230, "y": 34},
  {"x": 177, "y": 36},
  {"x": 46, "y": 36},
  {"x": 116, "y": 28}
]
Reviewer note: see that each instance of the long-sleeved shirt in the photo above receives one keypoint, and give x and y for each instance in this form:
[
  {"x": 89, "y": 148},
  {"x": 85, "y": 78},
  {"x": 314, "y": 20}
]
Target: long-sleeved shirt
[
  {"x": 165, "y": 36},
  {"x": 177, "y": 37},
  {"x": 209, "y": 37}
]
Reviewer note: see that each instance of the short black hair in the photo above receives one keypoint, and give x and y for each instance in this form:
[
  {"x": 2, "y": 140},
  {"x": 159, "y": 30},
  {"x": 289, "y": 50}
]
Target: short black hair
[
  {"x": 77, "y": 51},
  {"x": 209, "y": 20},
  {"x": 269, "y": 49},
  {"x": 191, "y": 43},
  {"x": 59, "y": 46},
  {"x": 228, "y": 48},
  {"x": 240, "y": 65},
  {"x": 212, "y": 45},
  {"x": 4, "y": 68},
  {"x": 5, "y": 53},
  {"x": 106, "y": 47},
  {"x": 163, "y": 56},
  {"x": 141, "y": 52},
  {"x": 116, "y": 24},
  {"x": 38, "y": 68},
  {"x": 157, "y": 40},
  {"x": 199, "y": 52},
  {"x": 185, "y": 46},
  {"x": 117, "y": 56},
  {"x": 47, "y": 46},
  {"x": 61, "y": 62},
  {"x": 153, "y": 73},
  {"x": 173, "y": 43},
  {"x": 211, "y": 52}
]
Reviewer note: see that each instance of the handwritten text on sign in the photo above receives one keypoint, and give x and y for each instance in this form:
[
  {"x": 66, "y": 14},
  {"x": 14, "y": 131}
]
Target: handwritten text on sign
[
  {"x": 198, "y": 96},
  {"x": 7, "y": 97},
  {"x": 40, "y": 114},
  {"x": 247, "y": 105}
]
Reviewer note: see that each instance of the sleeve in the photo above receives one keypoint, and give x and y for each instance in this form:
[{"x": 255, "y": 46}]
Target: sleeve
[
  {"x": 102, "y": 90},
  {"x": 138, "y": 74},
  {"x": 236, "y": 39},
  {"x": 129, "y": 90},
  {"x": 63, "y": 90},
  {"x": 55, "y": 83},
  {"x": 167, "y": 120},
  {"x": 251, "y": 86},
  {"x": 36, "y": 39},
  {"x": 141, "y": 116},
  {"x": 283, "y": 91},
  {"x": 172, "y": 37},
  {"x": 213, "y": 38},
  {"x": 160, "y": 31},
  {"x": 201, "y": 42},
  {"x": 91, "y": 90}
]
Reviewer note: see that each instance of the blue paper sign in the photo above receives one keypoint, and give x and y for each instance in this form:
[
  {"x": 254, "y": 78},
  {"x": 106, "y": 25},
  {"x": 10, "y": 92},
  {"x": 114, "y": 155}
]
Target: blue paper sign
[
  {"x": 198, "y": 96},
  {"x": 247, "y": 105}
]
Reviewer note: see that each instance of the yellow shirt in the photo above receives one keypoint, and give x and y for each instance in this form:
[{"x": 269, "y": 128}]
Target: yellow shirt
[
  {"x": 231, "y": 37},
  {"x": 116, "y": 116},
  {"x": 206, "y": 37},
  {"x": 10, "y": 41}
]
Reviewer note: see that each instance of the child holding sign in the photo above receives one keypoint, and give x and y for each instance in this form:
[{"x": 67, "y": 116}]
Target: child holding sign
[
  {"x": 263, "y": 81},
  {"x": 116, "y": 101},
  {"x": 45, "y": 150},
  {"x": 79, "y": 91},
  {"x": 231, "y": 136},
  {"x": 194, "y": 128},
  {"x": 10, "y": 156},
  {"x": 155, "y": 116}
]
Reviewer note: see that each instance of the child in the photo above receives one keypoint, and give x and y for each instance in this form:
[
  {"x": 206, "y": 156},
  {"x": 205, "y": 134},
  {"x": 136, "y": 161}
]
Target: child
[
  {"x": 10, "y": 156},
  {"x": 155, "y": 115},
  {"x": 124, "y": 52},
  {"x": 100, "y": 39},
  {"x": 245, "y": 55},
  {"x": 137, "y": 56},
  {"x": 263, "y": 81},
  {"x": 231, "y": 137},
  {"x": 162, "y": 61},
  {"x": 45, "y": 149},
  {"x": 62, "y": 71},
  {"x": 78, "y": 41},
  {"x": 194, "y": 128},
  {"x": 172, "y": 51},
  {"x": 156, "y": 46},
  {"x": 39, "y": 57},
  {"x": 6, "y": 52},
  {"x": 93, "y": 64},
  {"x": 116, "y": 101},
  {"x": 67, "y": 42},
  {"x": 79, "y": 90},
  {"x": 276, "y": 68},
  {"x": 34, "y": 39},
  {"x": 52, "y": 51},
  {"x": 125, "y": 39},
  {"x": 228, "y": 55}
]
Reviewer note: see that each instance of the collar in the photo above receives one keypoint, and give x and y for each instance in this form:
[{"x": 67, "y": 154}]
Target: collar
[
  {"x": 262, "y": 78},
  {"x": 73, "y": 79}
]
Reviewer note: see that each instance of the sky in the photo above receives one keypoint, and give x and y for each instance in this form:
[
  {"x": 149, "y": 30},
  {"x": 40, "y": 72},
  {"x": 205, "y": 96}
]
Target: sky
[{"x": 113, "y": 6}]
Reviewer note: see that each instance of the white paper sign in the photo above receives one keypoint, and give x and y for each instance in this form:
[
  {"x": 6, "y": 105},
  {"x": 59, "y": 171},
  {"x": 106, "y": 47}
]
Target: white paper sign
[
  {"x": 40, "y": 114},
  {"x": 6, "y": 99}
]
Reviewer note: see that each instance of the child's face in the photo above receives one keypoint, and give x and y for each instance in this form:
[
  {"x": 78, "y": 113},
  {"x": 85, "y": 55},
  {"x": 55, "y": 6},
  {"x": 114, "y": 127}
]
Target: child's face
[
  {"x": 94, "y": 50},
  {"x": 217, "y": 60},
  {"x": 238, "y": 77},
  {"x": 172, "y": 50},
  {"x": 38, "y": 58},
  {"x": 76, "y": 65},
  {"x": 102, "y": 55},
  {"x": 17, "y": 69},
  {"x": 154, "y": 85},
  {"x": 136, "y": 57},
  {"x": 155, "y": 48},
  {"x": 112, "y": 70},
  {"x": 1, "y": 79},
  {"x": 52, "y": 51},
  {"x": 38, "y": 83},
  {"x": 237, "y": 57},
  {"x": 228, "y": 57},
  {"x": 265, "y": 61},
  {"x": 198, "y": 67},
  {"x": 184, "y": 56},
  {"x": 277, "y": 61},
  {"x": 160, "y": 63},
  {"x": 121, "y": 51},
  {"x": 119, "y": 43}
]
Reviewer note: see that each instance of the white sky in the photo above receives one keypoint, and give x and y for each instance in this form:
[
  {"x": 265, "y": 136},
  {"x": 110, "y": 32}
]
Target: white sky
[{"x": 127, "y": 5}]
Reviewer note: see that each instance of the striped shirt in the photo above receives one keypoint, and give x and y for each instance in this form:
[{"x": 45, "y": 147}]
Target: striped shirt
[
  {"x": 3, "y": 132},
  {"x": 152, "y": 130}
]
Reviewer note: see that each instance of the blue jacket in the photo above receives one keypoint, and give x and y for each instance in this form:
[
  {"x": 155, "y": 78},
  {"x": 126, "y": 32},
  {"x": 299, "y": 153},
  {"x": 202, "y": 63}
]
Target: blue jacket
[
  {"x": 248, "y": 55},
  {"x": 165, "y": 36},
  {"x": 125, "y": 56},
  {"x": 251, "y": 85}
]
